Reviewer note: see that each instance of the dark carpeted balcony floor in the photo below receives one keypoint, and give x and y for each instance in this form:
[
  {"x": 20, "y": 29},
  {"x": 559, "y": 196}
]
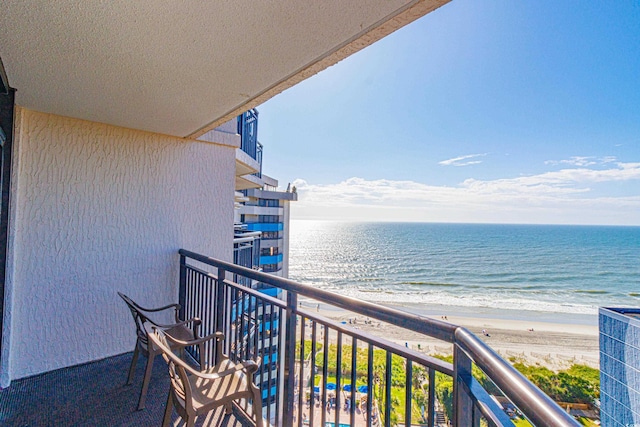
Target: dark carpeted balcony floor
[{"x": 94, "y": 394}]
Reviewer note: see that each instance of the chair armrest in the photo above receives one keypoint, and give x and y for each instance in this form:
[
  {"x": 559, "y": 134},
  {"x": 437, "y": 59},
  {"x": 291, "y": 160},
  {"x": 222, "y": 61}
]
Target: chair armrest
[
  {"x": 200, "y": 342},
  {"x": 154, "y": 310},
  {"x": 197, "y": 341},
  {"x": 196, "y": 321},
  {"x": 248, "y": 366}
]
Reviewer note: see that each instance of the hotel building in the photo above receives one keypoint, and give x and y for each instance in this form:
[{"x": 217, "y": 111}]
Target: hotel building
[{"x": 619, "y": 367}]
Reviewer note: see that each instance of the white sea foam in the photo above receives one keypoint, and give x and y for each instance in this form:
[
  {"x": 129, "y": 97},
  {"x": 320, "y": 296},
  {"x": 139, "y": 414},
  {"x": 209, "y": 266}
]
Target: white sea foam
[{"x": 551, "y": 269}]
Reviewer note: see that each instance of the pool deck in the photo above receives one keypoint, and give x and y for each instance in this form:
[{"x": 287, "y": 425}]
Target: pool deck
[{"x": 313, "y": 417}]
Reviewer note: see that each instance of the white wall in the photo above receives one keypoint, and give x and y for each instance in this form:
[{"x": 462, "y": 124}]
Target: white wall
[{"x": 100, "y": 209}]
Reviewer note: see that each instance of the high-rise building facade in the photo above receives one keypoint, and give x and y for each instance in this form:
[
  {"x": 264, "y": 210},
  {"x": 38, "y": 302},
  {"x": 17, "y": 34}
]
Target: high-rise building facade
[
  {"x": 261, "y": 240},
  {"x": 619, "y": 367}
]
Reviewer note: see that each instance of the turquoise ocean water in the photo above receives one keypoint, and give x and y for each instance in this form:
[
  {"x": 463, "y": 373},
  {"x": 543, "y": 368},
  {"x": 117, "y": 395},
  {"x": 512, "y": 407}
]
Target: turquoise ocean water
[{"x": 541, "y": 272}]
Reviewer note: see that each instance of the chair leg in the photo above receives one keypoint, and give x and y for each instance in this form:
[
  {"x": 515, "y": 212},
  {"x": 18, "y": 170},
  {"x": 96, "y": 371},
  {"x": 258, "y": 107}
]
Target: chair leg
[
  {"x": 145, "y": 381},
  {"x": 167, "y": 411},
  {"x": 134, "y": 362},
  {"x": 257, "y": 405}
]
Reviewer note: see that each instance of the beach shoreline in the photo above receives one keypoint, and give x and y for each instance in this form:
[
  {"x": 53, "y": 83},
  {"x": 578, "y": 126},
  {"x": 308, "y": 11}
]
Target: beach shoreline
[{"x": 542, "y": 341}]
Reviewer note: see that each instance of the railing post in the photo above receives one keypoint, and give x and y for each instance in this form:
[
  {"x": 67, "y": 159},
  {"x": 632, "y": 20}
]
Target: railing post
[
  {"x": 290, "y": 358},
  {"x": 220, "y": 300},
  {"x": 182, "y": 287},
  {"x": 462, "y": 403},
  {"x": 431, "y": 411}
]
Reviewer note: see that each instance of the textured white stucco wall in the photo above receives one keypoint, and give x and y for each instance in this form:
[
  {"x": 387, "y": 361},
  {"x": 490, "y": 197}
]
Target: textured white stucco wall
[{"x": 100, "y": 209}]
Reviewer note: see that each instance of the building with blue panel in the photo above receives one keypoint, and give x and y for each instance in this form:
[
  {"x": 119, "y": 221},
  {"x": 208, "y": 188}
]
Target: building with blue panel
[
  {"x": 267, "y": 210},
  {"x": 619, "y": 367},
  {"x": 261, "y": 239}
]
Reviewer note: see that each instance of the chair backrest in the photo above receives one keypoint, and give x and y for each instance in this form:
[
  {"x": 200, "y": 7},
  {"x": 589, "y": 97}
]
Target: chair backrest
[
  {"x": 138, "y": 317},
  {"x": 177, "y": 372}
]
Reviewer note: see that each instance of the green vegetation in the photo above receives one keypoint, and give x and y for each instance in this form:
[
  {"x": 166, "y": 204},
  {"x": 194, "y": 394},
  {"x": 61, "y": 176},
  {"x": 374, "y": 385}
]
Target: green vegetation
[
  {"x": 587, "y": 422},
  {"x": 578, "y": 384},
  {"x": 307, "y": 348}
]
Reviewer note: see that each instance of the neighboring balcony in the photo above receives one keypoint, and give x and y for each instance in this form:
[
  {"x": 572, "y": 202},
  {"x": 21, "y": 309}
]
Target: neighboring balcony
[
  {"x": 247, "y": 172},
  {"x": 249, "y": 155},
  {"x": 265, "y": 226}
]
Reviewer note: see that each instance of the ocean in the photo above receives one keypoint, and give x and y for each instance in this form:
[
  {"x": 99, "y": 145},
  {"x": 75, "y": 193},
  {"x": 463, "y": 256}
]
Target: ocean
[{"x": 550, "y": 273}]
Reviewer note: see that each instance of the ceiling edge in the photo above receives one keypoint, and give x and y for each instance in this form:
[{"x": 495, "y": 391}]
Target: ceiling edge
[{"x": 380, "y": 29}]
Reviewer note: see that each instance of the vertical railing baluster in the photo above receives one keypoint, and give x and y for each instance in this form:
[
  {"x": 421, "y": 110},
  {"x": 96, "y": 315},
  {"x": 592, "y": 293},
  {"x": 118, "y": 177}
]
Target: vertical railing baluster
[
  {"x": 477, "y": 416},
  {"x": 432, "y": 398},
  {"x": 267, "y": 366},
  {"x": 242, "y": 321},
  {"x": 290, "y": 357},
  {"x": 202, "y": 312},
  {"x": 354, "y": 366},
  {"x": 256, "y": 335},
  {"x": 369, "y": 384},
  {"x": 462, "y": 403},
  {"x": 260, "y": 327},
  {"x": 233, "y": 335},
  {"x": 408, "y": 392},
  {"x": 209, "y": 322},
  {"x": 182, "y": 287},
  {"x": 325, "y": 363},
  {"x": 220, "y": 301},
  {"x": 196, "y": 311},
  {"x": 312, "y": 367},
  {"x": 338, "y": 376},
  {"x": 303, "y": 322},
  {"x": 280, "y": 350},
  {"x": 387, "y": 391}
]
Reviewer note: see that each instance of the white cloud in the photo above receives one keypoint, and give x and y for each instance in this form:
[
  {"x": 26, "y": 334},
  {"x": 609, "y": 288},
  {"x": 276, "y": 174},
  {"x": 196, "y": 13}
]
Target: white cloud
[
  {"x": 562, "y": 196},
  {"x": 583, "y": 161},
  {"x": 459, "y": 161}
]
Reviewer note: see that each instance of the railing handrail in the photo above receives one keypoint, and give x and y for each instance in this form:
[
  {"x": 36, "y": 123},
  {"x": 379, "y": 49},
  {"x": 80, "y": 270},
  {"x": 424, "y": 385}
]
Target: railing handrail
[{"x": 533, "y": 403}]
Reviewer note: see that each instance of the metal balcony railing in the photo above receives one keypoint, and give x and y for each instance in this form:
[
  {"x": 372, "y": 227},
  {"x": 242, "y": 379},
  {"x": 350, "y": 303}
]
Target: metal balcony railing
[
  {"x": 246, "y": 250},
  {"x": 313, "y": 367},
  {"x": 248, "y": 131}
]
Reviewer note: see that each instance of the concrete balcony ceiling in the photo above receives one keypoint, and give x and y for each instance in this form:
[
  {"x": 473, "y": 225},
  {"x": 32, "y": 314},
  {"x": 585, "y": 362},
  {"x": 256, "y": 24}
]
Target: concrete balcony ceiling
[
  {"x": 246, "y": 182},
  {"x": 180, "y": 68},
  {"x": 245, "y": 164}
]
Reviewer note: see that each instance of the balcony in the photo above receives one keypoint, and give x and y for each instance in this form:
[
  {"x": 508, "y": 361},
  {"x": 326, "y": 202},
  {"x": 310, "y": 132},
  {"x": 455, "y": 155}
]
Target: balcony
[
  {"x": 265, "y": 226},
  {"x": 94, "y": 394},
  {"x": 249, "y": 155},
  {"x": 321, "y": 372},
  {"x": 314, "y": 372}
]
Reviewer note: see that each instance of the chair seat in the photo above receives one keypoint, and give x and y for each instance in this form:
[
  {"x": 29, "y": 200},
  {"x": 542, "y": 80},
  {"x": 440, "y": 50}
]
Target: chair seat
[
  {"x": 212, "y": 393},
  {"x": 181, "y": 332},
  {"x": 193, "y": 394}
]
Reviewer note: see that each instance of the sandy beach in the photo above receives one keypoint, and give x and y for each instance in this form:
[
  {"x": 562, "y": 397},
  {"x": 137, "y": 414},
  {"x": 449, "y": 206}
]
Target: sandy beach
[{"x": 555, "y": 345}]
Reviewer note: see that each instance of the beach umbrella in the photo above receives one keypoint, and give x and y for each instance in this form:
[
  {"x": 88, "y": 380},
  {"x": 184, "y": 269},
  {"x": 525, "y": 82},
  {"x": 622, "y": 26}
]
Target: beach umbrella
[
  {"x": 347, "y": 387},
  {"x": 363, "y": 389},
  {"x": 316, "y": 389},
  {"x": 331, "y": 386}
]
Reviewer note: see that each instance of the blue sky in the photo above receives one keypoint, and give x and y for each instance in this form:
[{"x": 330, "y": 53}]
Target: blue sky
[{"x": 482, "y": 111}]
